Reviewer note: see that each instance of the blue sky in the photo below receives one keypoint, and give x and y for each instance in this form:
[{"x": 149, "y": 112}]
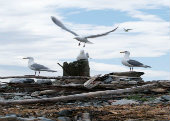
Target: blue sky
[{"x": 26, "y": 30}]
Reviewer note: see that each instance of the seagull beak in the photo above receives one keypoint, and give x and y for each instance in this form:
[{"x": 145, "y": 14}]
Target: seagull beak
[
  {"x": 25, "y": 58},
  {"x": 122, "y": 52}
]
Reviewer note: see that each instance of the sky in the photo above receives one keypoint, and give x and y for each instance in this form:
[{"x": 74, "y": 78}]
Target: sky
[{"x": 27, "y": 30}]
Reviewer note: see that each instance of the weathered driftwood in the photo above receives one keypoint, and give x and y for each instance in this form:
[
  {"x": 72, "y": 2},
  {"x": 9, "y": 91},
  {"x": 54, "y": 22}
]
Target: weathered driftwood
[
  {"x": 76, "y": 68},
  {"x": 118, "y": 76},
  {"x": 64, "y": 71},
  {"x": 44, "y": 92},
  {"x": 90, "y": 83},
  {"x": 128, "y": 74},
  {"x": 47, "y": 77},
  {"x": 82, "y": 96},
  {"x": 115, "y": 85}
]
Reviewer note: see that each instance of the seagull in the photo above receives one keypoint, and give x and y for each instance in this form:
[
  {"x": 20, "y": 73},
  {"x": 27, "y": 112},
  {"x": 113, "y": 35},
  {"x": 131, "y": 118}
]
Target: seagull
[
  {"x": 37, "y": 67},
  {"x": 127, "y": 30},
  {"x": 83, "y": 55},
  {"x": 83, "y": 39},
  {"x": 131, "y": 63}
]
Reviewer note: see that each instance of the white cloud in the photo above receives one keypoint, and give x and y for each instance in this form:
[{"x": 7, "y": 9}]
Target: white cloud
[{"x": 28, "y": 31}]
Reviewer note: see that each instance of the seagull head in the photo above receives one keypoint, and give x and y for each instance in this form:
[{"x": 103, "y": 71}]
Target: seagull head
[
  {"x": 29, "y": 58},
  {"x": 126, "y": 52},
  {"x": 82, "y": 52}
]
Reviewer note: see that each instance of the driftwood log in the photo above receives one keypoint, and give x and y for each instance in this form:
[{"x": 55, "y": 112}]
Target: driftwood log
[
  {"x": 128, "y": 74},
  {"x": 81, "y": 96},
  {"x": 91, "y": 82},
  {"x": 76, "y": 68},
  {"x": 47, "y": 77},
  {"x": 115, "y": 85}
]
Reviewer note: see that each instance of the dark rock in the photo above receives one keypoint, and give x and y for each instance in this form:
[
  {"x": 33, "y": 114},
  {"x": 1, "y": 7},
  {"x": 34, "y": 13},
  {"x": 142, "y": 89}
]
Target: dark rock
[
  {"x": 17, "y": 98},
  {"x": 44, "y": 119},
  {"x": 155, "y": 101},
  {"x": 9, "y": 118},
  {"x": 21, "y": 80},
  {"x": 124, "y": 102},
  {"x": 165, "y": 98},
  {"x": 63, "y": 119},
  {"x": 86, "y": 117},
  {"x": 65, "y": 113},
  {"x": 44, "y": 81},
  {"x": 3, "y": 86},
  {"x": 82, "y": 117},
  {"x": 13, "y": 117},
  {"x": 27, "y": 119},
  {"x": 132, "y": 82},
  {"x": 108, "y": 80}
]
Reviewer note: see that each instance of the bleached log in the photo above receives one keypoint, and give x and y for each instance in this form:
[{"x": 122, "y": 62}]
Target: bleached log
[
  {"x": 81, "y": 96},
  {"x": 47, "y": 92},
  {"x": 90, "y": 83},
  {"x": 116, "y": 85},
  {"x": 47, "y": 77}
]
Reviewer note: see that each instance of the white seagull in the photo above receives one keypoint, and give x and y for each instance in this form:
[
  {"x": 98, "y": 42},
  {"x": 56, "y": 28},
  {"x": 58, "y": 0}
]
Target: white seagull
[
  {"x": 37, "y": 67},
  {"x": 83, "y": 39},
  {"x": 83, "y": 55},
  {"x": 131, "y": 63}
]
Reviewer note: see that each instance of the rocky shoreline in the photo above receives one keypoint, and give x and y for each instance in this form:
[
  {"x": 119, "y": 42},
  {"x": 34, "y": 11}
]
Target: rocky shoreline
[{"x": 151, "y": 104}]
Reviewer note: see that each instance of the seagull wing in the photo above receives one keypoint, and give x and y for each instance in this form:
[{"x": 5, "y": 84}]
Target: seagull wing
[
  {"x": 39, "y": 67},
  {"x": 58, "y": 23},
  {"x": 103, "y": 34},
  {"x": 129, "y": 29},
  {"x": 134, "y": 63}
]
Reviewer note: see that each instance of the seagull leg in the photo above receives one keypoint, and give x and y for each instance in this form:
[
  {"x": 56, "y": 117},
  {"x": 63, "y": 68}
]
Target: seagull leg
[
  {"x": 79, "y": 44},
  {"x": 39, "y": 73},
  {"x": 84, "y": 44},
  {"x": 35, "y": 73},
  {"x": 130, "y": 68}
]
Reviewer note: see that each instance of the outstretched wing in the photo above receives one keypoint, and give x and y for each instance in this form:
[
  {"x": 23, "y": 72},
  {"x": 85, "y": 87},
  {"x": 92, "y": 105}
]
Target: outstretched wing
[
  {"x": 103, "y": 34},
  {"x": 39, "y": 67},
  {"x": 134, "y": 63},
  {"x": 58, "y": 23}
]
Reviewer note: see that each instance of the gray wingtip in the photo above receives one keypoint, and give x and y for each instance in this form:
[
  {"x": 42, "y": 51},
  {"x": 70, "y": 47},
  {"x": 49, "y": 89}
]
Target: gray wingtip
[
  {"x": 89, "y": 42},
  {"x": 146, "y": 66},
  {"x": 116, "y": 28},
  {"x": 52, "y": 17}
]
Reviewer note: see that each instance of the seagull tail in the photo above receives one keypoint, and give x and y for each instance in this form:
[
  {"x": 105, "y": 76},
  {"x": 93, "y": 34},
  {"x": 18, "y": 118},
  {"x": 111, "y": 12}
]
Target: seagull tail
[
  {"x": 146, "y": 66},
  {"x": 89, "y": 42}
]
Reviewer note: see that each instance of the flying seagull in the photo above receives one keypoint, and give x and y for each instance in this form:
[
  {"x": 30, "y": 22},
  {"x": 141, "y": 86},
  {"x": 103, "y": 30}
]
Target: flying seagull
[
  {"x": 131, "y": 63},
  {"x": 37, "y": 67},
  {"x": 83, "y": 39},
  {"x": 127, "y": 30}
]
